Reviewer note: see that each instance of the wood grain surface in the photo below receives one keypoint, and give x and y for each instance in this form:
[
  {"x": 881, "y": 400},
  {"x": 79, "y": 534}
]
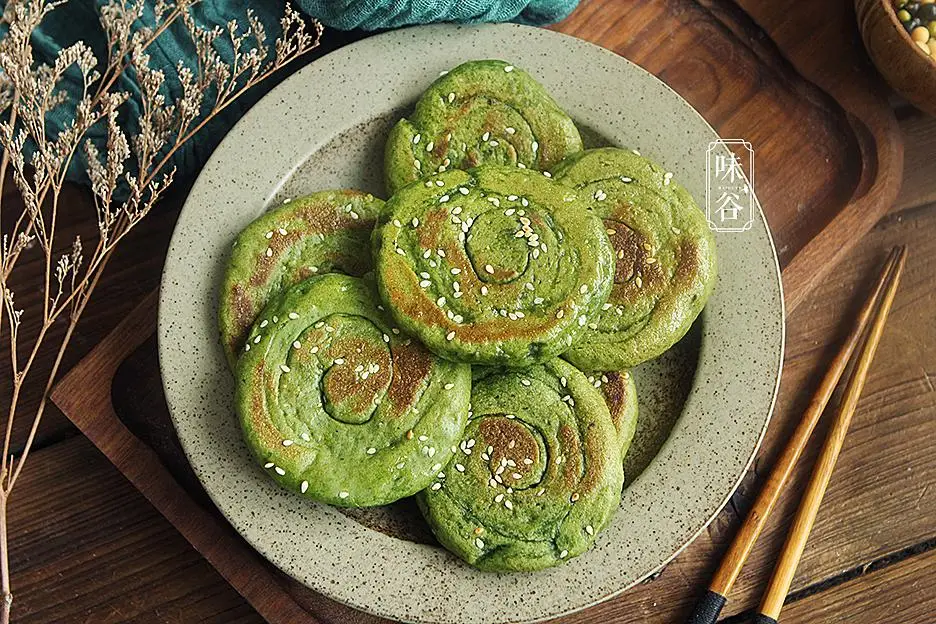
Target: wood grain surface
[{"x": 87, "y": 547}]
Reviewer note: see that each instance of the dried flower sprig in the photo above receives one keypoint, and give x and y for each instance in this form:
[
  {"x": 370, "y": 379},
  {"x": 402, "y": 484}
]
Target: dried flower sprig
[{"x": 128, "y": 174}]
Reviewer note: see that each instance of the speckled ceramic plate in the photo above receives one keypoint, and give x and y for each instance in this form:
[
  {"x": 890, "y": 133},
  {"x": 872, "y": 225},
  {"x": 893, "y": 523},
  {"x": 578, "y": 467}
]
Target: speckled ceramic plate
[{"x": 704, "y": 405}]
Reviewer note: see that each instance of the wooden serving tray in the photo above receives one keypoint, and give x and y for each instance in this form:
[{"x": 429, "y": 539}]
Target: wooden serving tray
[{"x": 791, "y": 79}]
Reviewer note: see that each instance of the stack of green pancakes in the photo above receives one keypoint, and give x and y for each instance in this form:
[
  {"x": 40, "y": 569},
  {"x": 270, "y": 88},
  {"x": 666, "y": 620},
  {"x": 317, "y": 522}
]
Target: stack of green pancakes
[{"x": 469, "y": 341}]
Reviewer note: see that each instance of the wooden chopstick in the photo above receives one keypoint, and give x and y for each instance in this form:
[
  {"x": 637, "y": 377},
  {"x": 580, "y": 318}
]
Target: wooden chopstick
[
  {"x": 779, "y": 585},
  {"x": 711, "y": 604}
]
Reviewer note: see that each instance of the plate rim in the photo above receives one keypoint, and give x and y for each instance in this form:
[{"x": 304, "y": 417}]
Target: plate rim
[{"x": 255, "y": 115}]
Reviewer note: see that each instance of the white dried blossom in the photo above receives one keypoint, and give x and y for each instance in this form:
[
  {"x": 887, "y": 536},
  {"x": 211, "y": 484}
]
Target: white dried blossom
[{"x": 129, "y": 173}]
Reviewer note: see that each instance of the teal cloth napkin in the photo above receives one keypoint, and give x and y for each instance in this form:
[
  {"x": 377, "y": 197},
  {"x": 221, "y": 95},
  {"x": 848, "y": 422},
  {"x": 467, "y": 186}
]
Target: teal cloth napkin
[{"x": 77, "y": 19}]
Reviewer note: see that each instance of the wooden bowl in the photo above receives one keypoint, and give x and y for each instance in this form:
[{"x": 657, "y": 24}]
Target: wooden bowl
[{"x": 910, "y": 71}]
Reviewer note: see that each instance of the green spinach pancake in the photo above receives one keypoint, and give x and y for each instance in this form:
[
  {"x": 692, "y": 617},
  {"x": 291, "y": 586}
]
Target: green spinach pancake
[
  {"x": 536, "y": 475},
  {"x": 479, "y": 112},
  {"x": 665, "y": 257},
  {"x": 495, "y": 265},
  {"x": 322, "y": 233},
  {"x": 337, "y": 405}
]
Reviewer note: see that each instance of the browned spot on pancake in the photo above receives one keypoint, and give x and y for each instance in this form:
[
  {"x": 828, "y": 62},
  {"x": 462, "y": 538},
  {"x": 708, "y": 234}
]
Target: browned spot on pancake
[
  {"x": 344, "y": 385},
  {"x": 429, "y": 235},
  {"x": 243, "y": 311},
  {"x": 595, "y": 449},
  {"x": 690, "y": 262},
  {"x": 412, "y": 364},
  {"x": 262, "y": 389},
  {"x": 498, "y": 431},
  {"x": 615, "y": 395},
  {"x": 406, "y": 295},
  {"x": 629, "y": 252},
  {"x": 571, "y": 456},
  {"x": 319, "y": 218}
]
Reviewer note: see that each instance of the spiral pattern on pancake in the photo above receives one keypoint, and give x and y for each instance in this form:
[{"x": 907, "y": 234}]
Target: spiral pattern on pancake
[
  {"x": 320, "y": 233},
  {"x": 495, "y": 265},
  {"x": 665, "y": 254},
  {"x": 479, "y": 112},
  {"x": 536, "y": 476},
  {"x": 338, "y": 405}
]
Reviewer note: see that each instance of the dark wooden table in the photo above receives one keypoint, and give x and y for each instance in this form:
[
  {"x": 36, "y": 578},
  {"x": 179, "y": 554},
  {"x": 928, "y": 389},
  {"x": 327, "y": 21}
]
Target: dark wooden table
[{"x": 86, "y": 547}]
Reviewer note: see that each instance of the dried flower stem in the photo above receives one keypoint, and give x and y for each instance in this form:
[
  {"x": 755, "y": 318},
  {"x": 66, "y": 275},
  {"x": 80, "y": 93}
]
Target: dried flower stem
[{"x": 137, "y": 165}]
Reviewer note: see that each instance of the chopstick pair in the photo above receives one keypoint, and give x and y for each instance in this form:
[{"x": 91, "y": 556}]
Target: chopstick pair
[{"x": 710, "y": 605}]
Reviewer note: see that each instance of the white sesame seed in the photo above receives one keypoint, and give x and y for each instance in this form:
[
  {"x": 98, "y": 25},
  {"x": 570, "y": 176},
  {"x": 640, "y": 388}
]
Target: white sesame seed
[
  {"x": 589, "y": 529},
  {"x": 343, "y": 495},
  {"x": 455, "y": 271},
  {"x": 582, "y": 320},
  {"x": 264, "y": 323},
  {"x": 484, "y": 290},
  {"x": 508, "y": 68},
  {"x": 449, "y": 386},
  {"x": 520, "y": 165},
  {"x": 510, "y": 130},
  {"x": 563, "y": 381},
  {"x": 564, "y": 554},
  {"x": 313, "y": 350},
  {"x": 440, "y": 253},
  {"x": 508, "y": 504},
  {"x": 400, "y": 466},
  {"x": 525, "y": 382},
  {"x": 547, "y": 174},
  {"x": 424, "y": 283},
  {"x": 626, "y": 180},
  {"x": 269, "y": 234},
  {"x": 417, "y": 164},
  {"x": 451, "y": 97},
  {"x": 444, "y": 199},
  {"x": 247, "y": 347},
  {"x": 268, "y": 465},
  {"x": 538, "y": 300},
  {"x": 279, "y": 471},
  {"x": 429, "y": 146},
  {"x": 560, "y": 314},
  {"x": 583, "y": 289},
  {"x": 339, "y": 361},
  {"x": 535, "y": 146},
  {"x": 400, "y": 251},
  {"x": 436, "y": 486},
  {"x": 416, "y": 139},
  {"x": 459, "y": 468},
  {"x": 638, "y": 281},
  {"x": 485, "y": 136},
  {"x": 462, "y": 190},
  {"x": 395, "y": 330},
  {"x": 440, "y": 301},
  {"x": 284, "y": 368}
]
